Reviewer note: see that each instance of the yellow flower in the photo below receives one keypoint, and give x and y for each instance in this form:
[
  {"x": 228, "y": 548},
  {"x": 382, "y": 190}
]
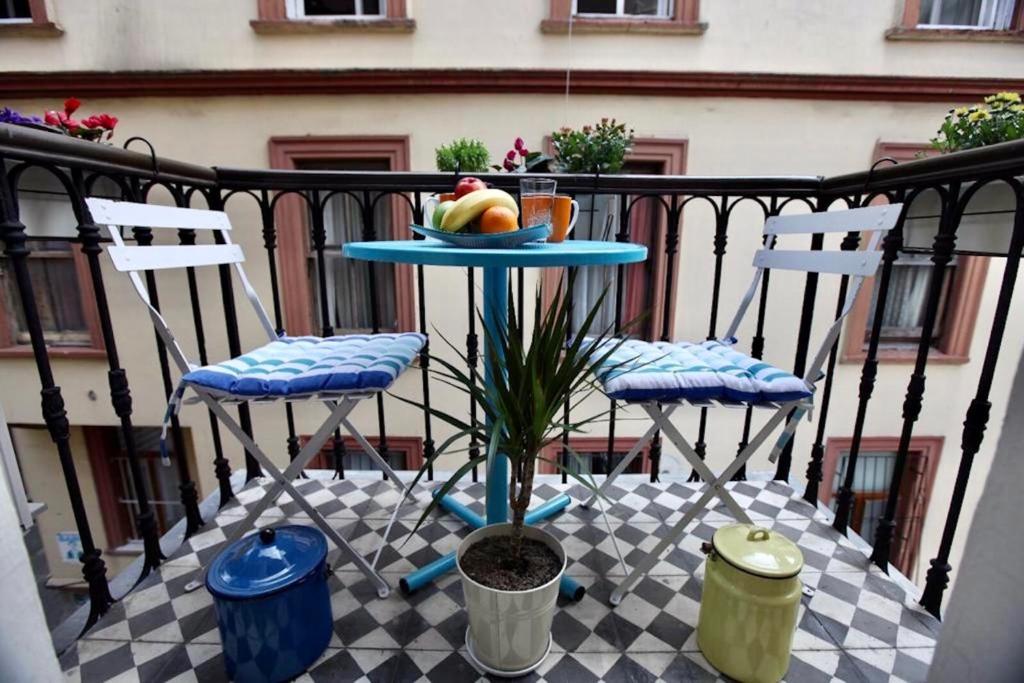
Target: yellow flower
[
  {"x": 960, "y": 111},
  {"x": 1017, "y": 108},
  {"x": 979, "y": 116},
  {"x": 1003, "y": 97}
]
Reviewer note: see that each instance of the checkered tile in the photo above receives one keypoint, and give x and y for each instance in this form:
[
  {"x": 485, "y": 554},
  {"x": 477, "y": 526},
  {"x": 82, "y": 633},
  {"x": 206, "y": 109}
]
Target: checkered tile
[{"x": 856, "y": 623}]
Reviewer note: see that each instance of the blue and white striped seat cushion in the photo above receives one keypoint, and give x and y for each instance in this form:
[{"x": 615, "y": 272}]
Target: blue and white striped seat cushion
[
  {"x": 662, "y": 371},
  {"x": 302, "y": 366}
]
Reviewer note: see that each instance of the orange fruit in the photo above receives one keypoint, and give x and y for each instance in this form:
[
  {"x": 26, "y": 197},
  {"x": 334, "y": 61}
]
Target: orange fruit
[{"x": 497, "y": 219}]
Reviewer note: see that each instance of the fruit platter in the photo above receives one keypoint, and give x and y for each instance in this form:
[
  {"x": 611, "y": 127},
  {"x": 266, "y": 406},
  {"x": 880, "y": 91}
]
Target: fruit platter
[{"x": 476, "y": 216}]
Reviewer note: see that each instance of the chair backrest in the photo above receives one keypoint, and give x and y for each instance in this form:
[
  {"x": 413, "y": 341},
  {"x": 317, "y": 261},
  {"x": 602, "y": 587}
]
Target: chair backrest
[
  {"x": 854, "y": 265},
  {"x": 133, "y": 259}
]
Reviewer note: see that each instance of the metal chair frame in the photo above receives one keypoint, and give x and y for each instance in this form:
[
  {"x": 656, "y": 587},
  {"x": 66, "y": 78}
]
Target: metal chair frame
[
  {"x": 133, "y": 259},
  {"x": 855, "y": 265}
]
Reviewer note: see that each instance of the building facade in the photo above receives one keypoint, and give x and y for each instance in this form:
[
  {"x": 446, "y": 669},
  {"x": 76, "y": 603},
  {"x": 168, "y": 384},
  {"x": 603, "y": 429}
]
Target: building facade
[{"x": 718, "y": 88}]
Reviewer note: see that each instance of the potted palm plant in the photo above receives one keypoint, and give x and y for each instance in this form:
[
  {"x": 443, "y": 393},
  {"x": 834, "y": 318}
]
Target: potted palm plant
[{"x": 510, "y": 572}]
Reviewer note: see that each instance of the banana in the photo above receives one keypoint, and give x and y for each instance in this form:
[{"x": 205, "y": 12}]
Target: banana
[{"x": 471, "y": 205}]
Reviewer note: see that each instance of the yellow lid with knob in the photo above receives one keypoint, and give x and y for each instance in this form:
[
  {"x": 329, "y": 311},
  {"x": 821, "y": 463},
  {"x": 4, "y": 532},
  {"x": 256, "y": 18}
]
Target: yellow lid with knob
[{"x": 758, "y": 551}]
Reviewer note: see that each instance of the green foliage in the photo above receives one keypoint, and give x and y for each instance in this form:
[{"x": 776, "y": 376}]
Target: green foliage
[
  {"x": 524, "y": 405},
  {"x": 999, "y": 119},
  {"x": 465, "y": 155},
  {"x": 601, "y": 148}
]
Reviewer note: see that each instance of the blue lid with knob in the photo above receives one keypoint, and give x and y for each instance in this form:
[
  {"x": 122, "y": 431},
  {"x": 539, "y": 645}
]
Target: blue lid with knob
[{"x": 267, "y": 562}]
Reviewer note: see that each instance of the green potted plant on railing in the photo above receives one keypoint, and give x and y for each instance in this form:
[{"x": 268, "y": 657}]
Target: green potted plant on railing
[
  {"x": 465, "y": 155},
  {"x": 988, "y": 217},
  {"x": 511, "y": 572},
  {"x": 598, "y": 149}
]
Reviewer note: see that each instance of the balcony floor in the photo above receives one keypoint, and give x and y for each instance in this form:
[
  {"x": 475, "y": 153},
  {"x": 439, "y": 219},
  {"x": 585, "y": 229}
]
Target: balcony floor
[{"x": 858, "y": 625}]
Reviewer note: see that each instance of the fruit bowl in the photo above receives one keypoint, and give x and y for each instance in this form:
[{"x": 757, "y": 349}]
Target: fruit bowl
[{"x": 500, "y": 240}]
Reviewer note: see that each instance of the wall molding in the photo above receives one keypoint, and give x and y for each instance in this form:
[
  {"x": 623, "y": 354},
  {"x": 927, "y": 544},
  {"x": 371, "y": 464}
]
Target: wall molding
[{"x": 94, "y": 84}]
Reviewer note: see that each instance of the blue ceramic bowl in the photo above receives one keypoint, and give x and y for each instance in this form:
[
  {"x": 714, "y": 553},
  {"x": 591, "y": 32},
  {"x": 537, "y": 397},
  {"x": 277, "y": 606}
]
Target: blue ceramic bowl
[{"x": 501, "y": 240}]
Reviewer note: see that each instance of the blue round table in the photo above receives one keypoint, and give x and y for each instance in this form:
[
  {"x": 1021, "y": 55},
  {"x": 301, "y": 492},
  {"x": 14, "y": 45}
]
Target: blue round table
[{"x": 495, "y": 263}]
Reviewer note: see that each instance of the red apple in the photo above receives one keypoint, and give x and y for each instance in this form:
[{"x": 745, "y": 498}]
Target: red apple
[{"x": 467, "y": 185}]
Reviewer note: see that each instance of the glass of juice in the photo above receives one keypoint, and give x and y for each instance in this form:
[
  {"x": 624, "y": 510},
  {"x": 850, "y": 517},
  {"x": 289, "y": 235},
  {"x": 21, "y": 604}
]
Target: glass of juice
[{"x": 537, "y": 200}]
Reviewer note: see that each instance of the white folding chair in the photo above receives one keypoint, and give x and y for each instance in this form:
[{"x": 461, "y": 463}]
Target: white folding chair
[
  {"x": 336, "y": 371},
  {"x": 660, "y": 377}
]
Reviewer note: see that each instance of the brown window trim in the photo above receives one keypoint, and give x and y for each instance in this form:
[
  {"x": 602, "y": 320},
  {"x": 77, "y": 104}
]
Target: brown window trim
[
  {"x": 966, "y": 293},
  {"x": 671, "y": 154},
  {"x": 929, "y": 446},
  {"x": 39, "y": 27},
  {"x": 94, "y": 349},
  {"x": 293, "y": 235},
  {"x": 273, "y": 20},
  {"x": 409, "y": 446},
  {"x": 553, "y": 451},
  {"x": 909, "y": 30},
  {"x": 685, "y": 20}
]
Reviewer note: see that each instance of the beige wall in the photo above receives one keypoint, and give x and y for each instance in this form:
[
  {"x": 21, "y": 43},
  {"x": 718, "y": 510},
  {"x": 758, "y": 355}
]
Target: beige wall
[
  {"x": 726, "y": 137},
  {"x": 742, "y": 35}
]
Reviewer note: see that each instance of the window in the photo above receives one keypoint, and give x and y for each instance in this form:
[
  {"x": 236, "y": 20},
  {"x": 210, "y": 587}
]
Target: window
[
  {"x": 871, "y": 480},
  {"x": 593, "y": 452},
  {"x": 1000, "y": 20},
  {"x": 624, "y": 16},
  {"x": 335, "y": 9},
  {"x": 975, "y": 14},
  {"x": 318, "y": 16},
  {"x": 62, "y": 287},
  {"x": 644, "y": 291},
  {"x": 26, "y": 18},
  {"x": 348, "y": 293},
  {"x": 404, "y": 453},
  {"x": 962, "y": 287},
  {"x": 115, "y": 487},
  {"x": 620, "y": 8},
  {"x": 15, "y": 11}
]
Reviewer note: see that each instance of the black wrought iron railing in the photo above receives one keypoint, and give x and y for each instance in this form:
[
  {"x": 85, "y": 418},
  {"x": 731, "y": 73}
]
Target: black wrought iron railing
[{"x": 939, "y": 196}]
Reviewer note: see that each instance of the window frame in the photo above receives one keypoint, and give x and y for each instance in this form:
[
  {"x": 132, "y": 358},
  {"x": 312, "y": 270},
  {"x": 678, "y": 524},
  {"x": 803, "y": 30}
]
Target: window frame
[
  {"x": 683, "y": 19},
  {"x": 296, "y": 11},
  {"x": 276, "y": 17},
  {"x": 962, "y": 308},
  {"x": 928, "y": 446},
  {"x": 37, "y": 25},
  {"x": 620, "y": 11},
  {"x": 9, "y": 348},
  {"x": 411, "y": 448},
  {"x": 621, "y": 444},
  {"x": 672, "y": 155},
  {"x": 908, "y": 27},
  {"x": 293, "y": 233}
]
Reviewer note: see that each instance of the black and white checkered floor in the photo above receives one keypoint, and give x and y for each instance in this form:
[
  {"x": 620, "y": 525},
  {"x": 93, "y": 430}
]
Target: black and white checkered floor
[{"x": 858, "y": 625}]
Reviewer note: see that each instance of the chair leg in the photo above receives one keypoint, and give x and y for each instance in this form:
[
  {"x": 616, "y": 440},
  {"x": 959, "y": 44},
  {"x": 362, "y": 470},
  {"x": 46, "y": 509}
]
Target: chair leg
[
  {"x": 378, "y": 458},
  {"x": 787, "y": 434},
  {"x": 621, "y": 467},
  {"x": 715, "y": 487},
  {"x": 283, "y": 482}
]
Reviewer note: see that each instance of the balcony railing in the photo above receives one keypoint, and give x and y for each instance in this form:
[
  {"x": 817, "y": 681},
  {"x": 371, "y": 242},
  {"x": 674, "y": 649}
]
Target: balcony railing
[{"x": 940, "y": 219}]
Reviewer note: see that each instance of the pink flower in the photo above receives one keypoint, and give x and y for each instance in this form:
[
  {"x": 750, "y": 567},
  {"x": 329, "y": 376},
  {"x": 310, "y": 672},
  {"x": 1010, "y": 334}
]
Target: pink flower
[
  {"x": 511, "y": 156},
  {"x": 71, "y": 105},
  {"x": 520, "y": 145},
  {"x": 53, "y": 118},
  {"x": 524, "y": 151}
]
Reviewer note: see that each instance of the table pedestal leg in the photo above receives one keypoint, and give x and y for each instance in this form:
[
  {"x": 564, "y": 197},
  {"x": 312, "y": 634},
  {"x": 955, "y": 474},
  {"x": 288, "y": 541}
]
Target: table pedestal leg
[{"x": 496, "y": 506}]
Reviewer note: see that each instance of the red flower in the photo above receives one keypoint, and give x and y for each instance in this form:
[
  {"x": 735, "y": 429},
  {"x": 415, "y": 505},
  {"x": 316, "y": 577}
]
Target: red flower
[
  {"x": 509, "y": 166},
  {"x": 71, "y": 105},
  {"x": 107, "y": 121},
  {"x": 520, "y": 145},
  {"x": 511, "y": 156},
  {"x": 71, "y": 124},
  {"x": 53, "y": 118}
]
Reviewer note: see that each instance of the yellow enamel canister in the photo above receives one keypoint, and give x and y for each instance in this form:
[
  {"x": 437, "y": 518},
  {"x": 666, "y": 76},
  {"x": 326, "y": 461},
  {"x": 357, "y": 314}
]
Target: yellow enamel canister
[{"x": 749, "y": 606}]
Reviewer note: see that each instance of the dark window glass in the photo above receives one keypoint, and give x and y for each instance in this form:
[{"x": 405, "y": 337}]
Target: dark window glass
[
  {"x": 329, "y": 8},
  {"x": 55, "y": 284},
  {"x": 15, "y": 9},
  {"x": 595, "y": 6}
]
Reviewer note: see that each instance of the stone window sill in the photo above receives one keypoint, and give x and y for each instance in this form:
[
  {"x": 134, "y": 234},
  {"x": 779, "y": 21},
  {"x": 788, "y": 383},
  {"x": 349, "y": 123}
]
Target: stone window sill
[
  {"x": 954, "y": 35},
  {"x": 30, "y": 29},
  {"x": 293, "y": 27},
  {"x": 651, "y": 26}
]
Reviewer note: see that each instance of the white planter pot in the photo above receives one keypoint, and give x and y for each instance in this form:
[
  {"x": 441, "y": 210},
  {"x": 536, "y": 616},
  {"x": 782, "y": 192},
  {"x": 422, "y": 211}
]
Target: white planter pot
[
  {"x": 509, "y": 632},
  {"x": 594, "y": 213},
  {"x": 986, "y": 225}
]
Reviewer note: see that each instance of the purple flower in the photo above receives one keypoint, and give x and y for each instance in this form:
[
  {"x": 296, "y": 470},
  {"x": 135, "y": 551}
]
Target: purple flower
[{"x": 8, "y": 115}]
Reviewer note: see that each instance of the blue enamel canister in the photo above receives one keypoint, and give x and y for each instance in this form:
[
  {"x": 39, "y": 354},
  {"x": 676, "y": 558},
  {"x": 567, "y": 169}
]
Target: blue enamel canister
[{"x": 272, "y": 602}]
